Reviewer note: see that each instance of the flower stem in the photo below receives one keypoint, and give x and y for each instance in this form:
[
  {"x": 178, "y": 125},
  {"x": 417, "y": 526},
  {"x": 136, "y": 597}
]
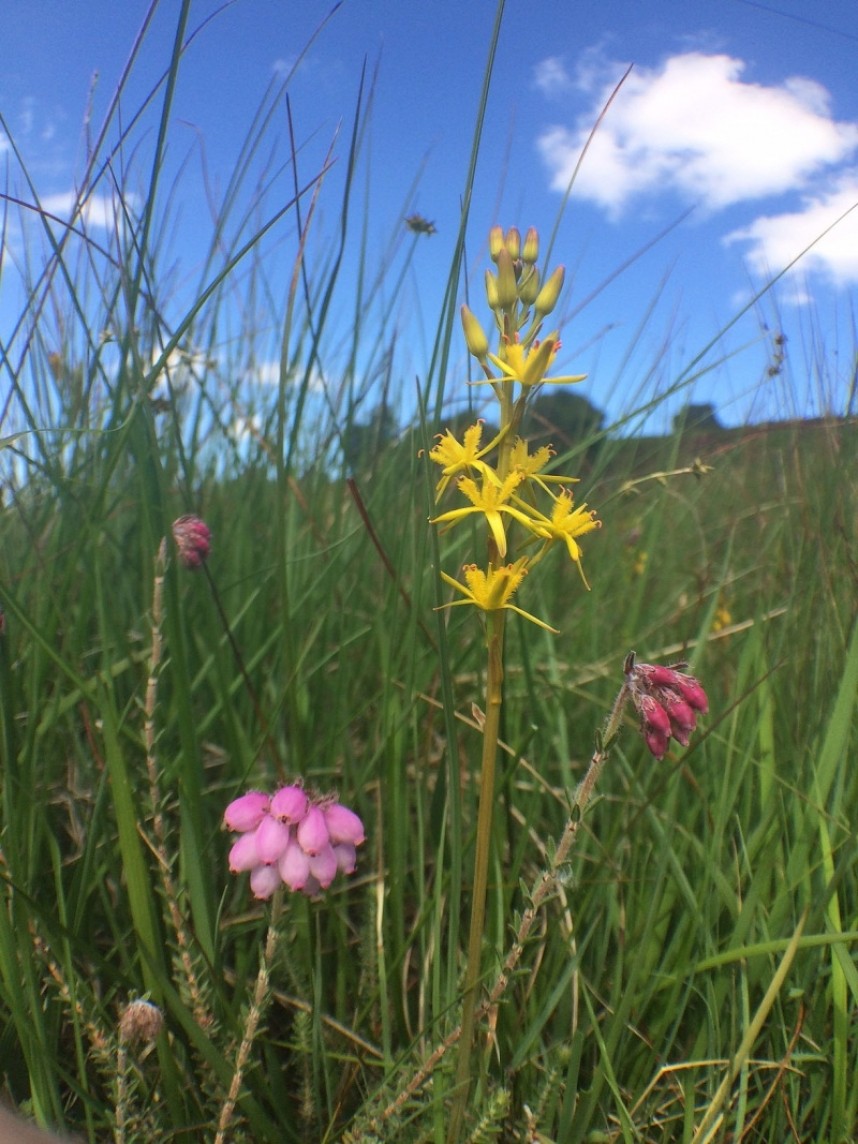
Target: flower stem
[
  {"x": 259, "y": 1002},
  {"x": 494, "y": 700}
]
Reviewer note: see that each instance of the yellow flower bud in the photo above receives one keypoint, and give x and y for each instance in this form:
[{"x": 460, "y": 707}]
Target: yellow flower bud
[
  {"x": 475, "y": 337},
  {"x": 492, "y": 290},
  {"x": 506, "y": 283},
  {"x": 495, "y": 242},
  {"x": 531, "y": 247},
  {"x": 513, "y": 242},
  {"x": 547, "y": 297}
]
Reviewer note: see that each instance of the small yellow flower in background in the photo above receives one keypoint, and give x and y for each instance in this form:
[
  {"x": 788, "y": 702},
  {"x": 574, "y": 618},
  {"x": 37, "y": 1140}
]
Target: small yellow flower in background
[
  {"x": 490, "y": 500},
  {"x": 491, "y": 591},
  {"x": 639, "y": 566},
  {"x": 459, "y": 458},
  {"x": 722, "y": 618}
]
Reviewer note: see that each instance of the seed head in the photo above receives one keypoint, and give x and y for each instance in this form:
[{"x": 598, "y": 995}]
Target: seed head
[{"x": 141, "y": 1022}]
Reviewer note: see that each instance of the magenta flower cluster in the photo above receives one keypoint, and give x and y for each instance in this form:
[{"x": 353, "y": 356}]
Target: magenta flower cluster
[
  {"x": 193, "y": 541},
  {"x": 294, "y": 838},
  {"x": 668, "y": 702}
]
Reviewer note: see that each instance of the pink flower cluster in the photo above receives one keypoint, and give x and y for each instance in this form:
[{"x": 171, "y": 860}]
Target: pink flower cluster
[
  {"x": 292, "y": 837},
  {"x": 193, "y": 541},
  {"x": 667, "y": 701}
]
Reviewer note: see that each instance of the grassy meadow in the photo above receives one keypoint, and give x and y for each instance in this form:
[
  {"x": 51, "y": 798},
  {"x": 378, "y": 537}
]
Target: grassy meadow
[{"x": 691, "y": 974}]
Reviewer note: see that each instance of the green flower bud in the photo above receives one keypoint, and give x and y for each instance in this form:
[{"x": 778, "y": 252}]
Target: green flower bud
[
  {"x": 492, "y": 290},
  {"x": 528, "y": 285},
  {"x": 513, "y": 242},
  {"x": 495, "y": 242},
  {"x": 531, "y": 247},
  {"x": 547, "y": 297},
  {"x": 475, "y": 337},
  {"x": 506, "y": 283}
]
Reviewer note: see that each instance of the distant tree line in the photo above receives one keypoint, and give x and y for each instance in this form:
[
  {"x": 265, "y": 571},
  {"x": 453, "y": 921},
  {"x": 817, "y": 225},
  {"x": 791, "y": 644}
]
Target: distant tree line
[{"x": 561, "y": 417}]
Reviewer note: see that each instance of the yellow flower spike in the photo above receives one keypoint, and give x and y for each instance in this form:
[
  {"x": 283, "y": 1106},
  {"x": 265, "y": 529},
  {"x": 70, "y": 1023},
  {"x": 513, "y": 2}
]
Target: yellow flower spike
[
  {"x": 492, "y": 591},
  {"x": 531, "y": 247},
  {"x": 475, "y": 336},
  {"x": 490, "y": 500},
  {"x": 507, "y": 287},
  {"x": 457, "y": 458},
  {"x": 546, "y": 299},
  {"x": 528, "y": 366}
]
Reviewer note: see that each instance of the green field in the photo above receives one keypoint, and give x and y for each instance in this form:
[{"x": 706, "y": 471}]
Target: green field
[{"x": 690, "y": 973}]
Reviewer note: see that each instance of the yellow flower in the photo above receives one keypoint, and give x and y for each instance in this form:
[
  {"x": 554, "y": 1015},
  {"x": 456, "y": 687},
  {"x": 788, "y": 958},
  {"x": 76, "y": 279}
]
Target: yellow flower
[
  {"x": 490, "y": 500},
  {"x": 722, "y": 618},
  {"x": 526, "y": 462},
  {"x": 491, "y": 591},
  {"x": 565, "y": 523},
  {"x": 456, "y": 458},
  {"x": 528, "y": 365},
  {"x": 532, "y": 464}
]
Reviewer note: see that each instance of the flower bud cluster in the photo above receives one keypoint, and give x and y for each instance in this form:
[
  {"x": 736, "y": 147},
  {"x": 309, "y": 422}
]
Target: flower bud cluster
[
  {"x": 517, "y": 285},
  {"x": 193, "y": 540},
  {"x": 301, "y": 840},
  {"x": 519, "y": 298},
  {"x": 141, "y": 1022},
  {"x": 668, "y": 702}
]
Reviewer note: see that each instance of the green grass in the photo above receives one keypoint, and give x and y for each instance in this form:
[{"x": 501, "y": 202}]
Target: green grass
[{"x": 690, "y": 878}]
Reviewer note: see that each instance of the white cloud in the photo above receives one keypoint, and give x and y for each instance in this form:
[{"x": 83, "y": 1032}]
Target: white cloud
[
  {"x": 100, "y": 212},
  {"x": 694, "y": 127},
  {"x": 245, "y": 427},
  {"x": 184, "y": 360},
  {"x": 775, "y": 240},
  {"x": 267, "y": 373},
  {"x": 551, "y": 78}
]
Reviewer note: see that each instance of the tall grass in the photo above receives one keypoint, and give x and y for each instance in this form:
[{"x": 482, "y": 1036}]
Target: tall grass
[{"x": 693, "y": 975}]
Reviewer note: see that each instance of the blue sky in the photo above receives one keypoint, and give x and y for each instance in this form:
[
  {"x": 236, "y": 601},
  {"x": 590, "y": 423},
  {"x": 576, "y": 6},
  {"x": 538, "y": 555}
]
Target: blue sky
[{"x": 735, "y": 136}]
